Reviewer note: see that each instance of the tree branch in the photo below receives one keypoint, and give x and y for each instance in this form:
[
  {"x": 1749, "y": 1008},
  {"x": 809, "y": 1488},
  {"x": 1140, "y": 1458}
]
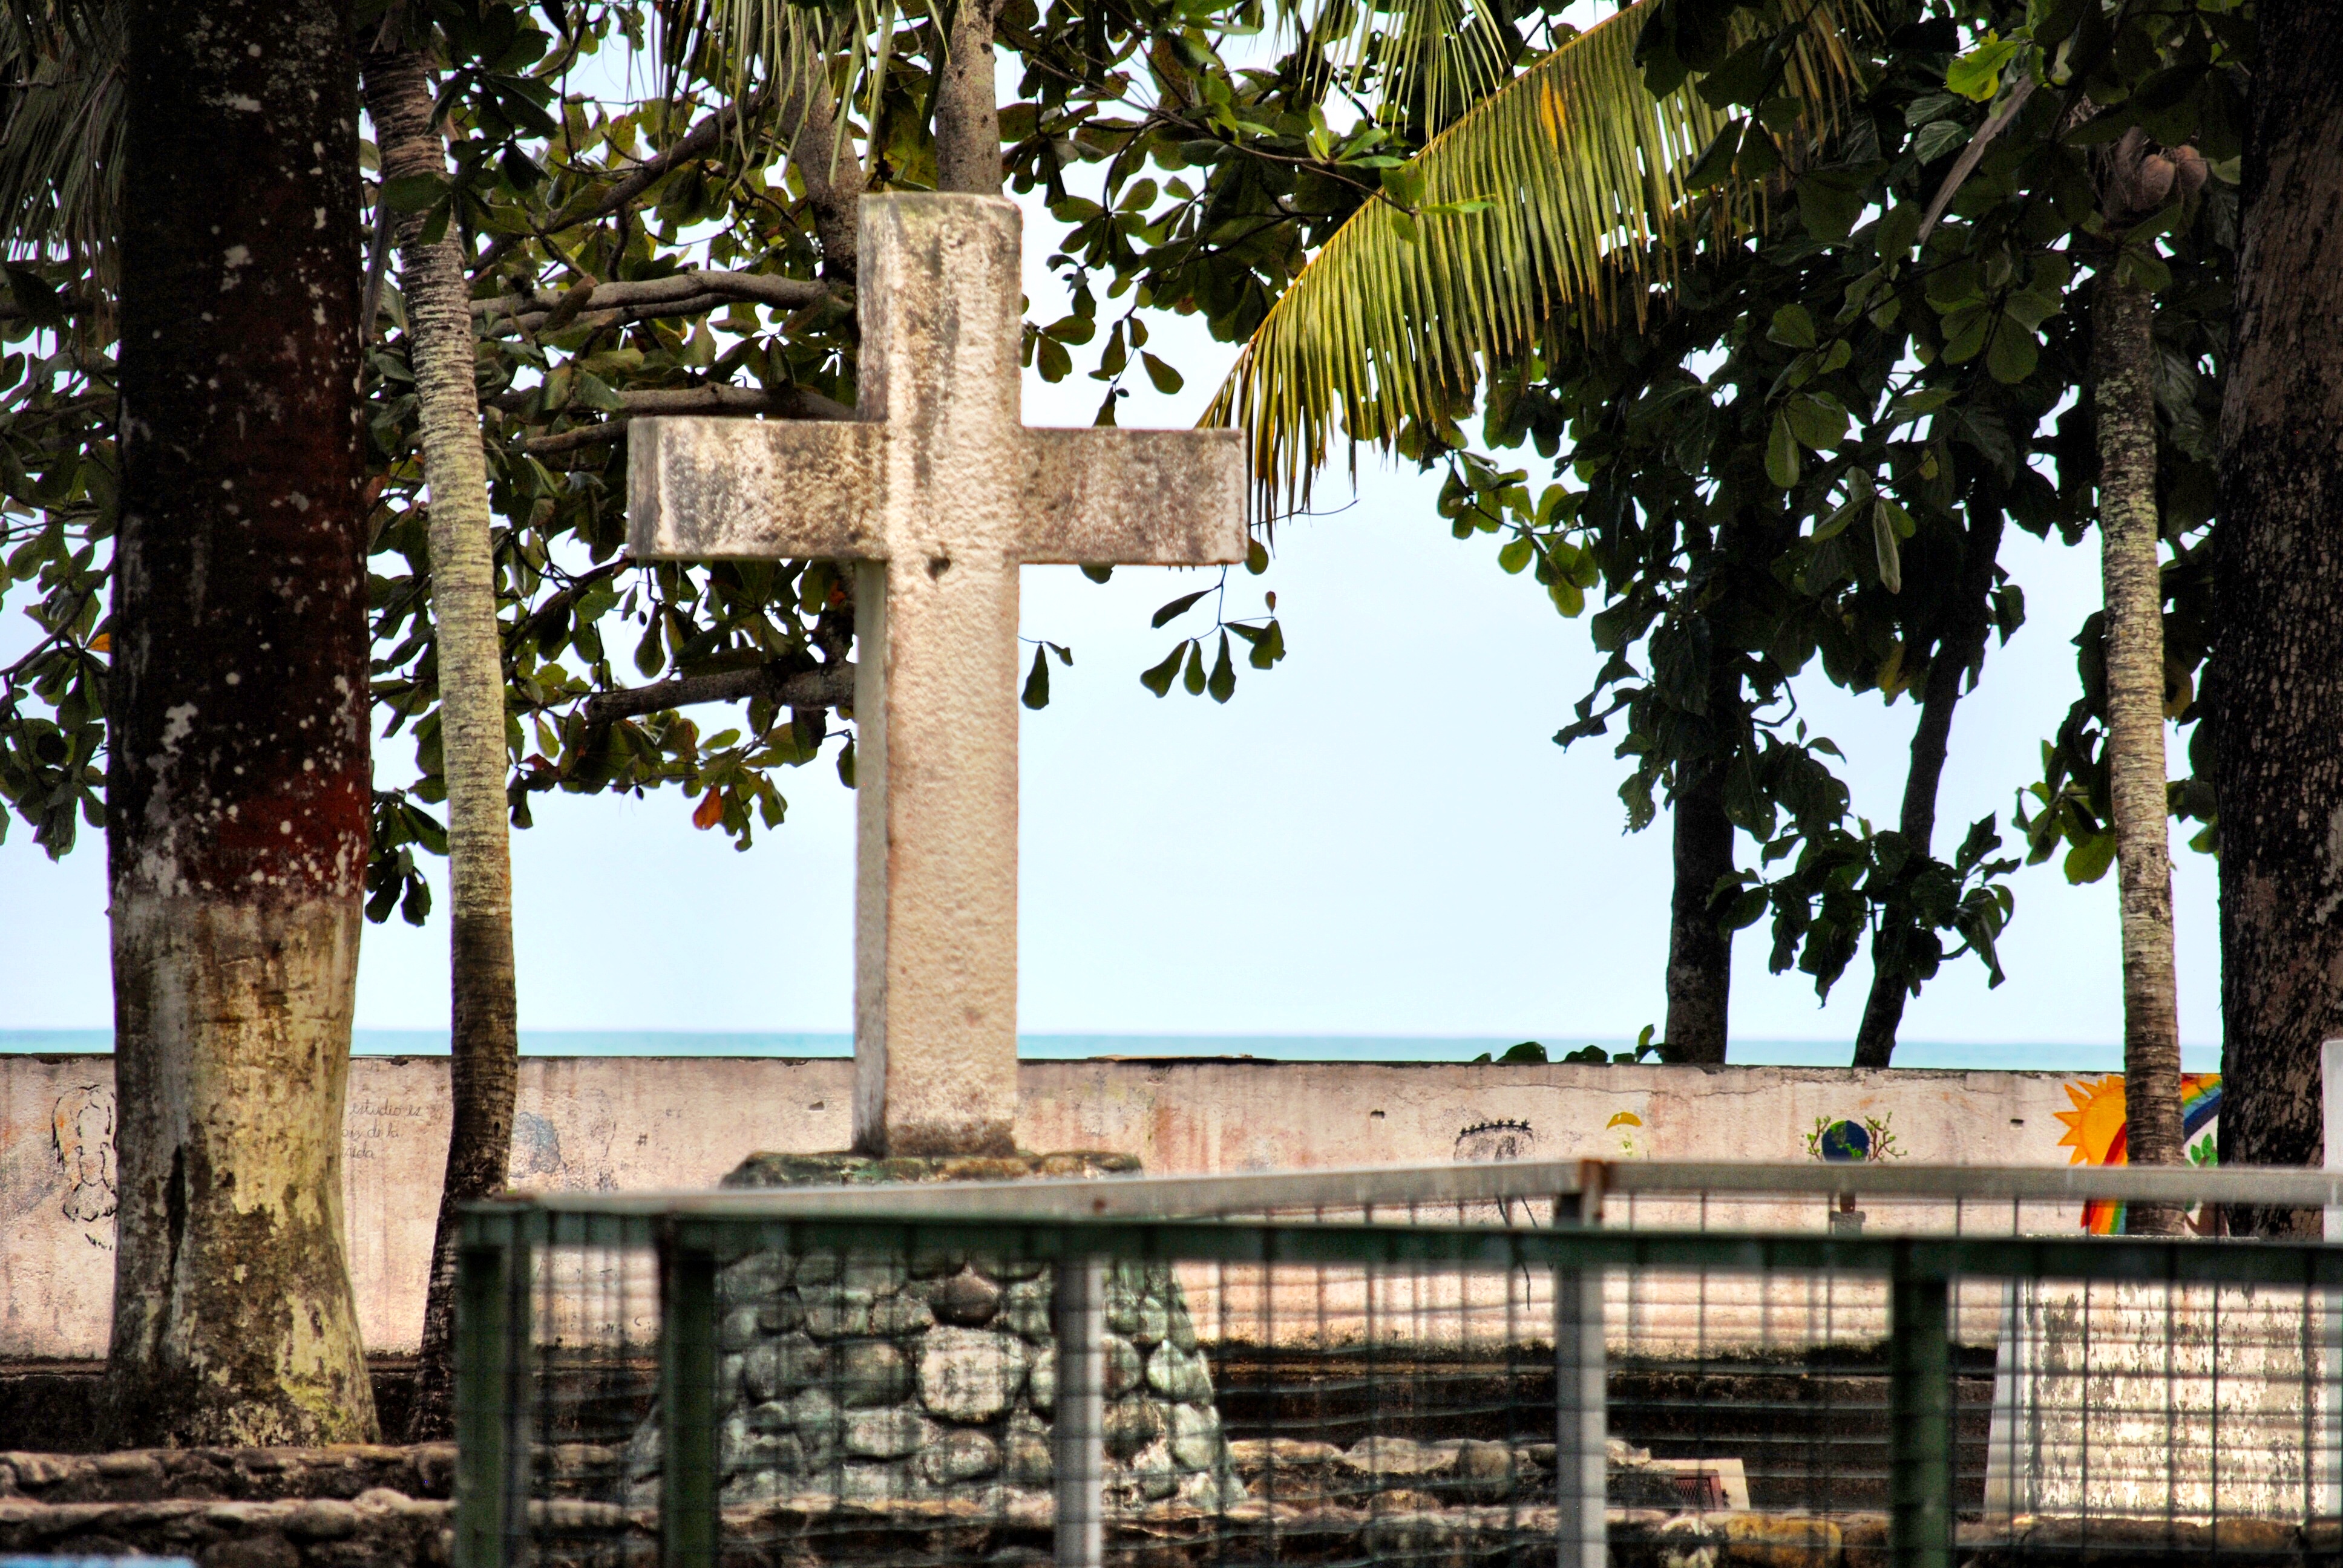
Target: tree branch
[
  {"x": 825, "y": 686},
  {"x": 698, "y": 142},
  {"x": 684, "y": 294},
  {"x": 785, "y": 403},
  {"x": 1965, "y": 164},
  {"x": 833, "y": 180}
]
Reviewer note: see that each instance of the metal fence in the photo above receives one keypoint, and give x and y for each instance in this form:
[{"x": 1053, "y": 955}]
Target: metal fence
[{"x": 1679, "y": 1365}]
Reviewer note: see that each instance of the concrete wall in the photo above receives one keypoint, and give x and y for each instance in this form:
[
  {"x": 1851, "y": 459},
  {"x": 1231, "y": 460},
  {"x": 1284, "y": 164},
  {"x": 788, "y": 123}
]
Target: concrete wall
[{"x": 611, "y": 1123}]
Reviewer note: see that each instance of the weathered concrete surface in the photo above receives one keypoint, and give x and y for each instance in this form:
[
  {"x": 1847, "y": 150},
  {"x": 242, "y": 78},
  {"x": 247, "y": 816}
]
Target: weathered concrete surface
[
  {"x": 2123, "y": 1400},
  {"x": 608, "y": 1124},
  {"x": 937, "y": 493}
]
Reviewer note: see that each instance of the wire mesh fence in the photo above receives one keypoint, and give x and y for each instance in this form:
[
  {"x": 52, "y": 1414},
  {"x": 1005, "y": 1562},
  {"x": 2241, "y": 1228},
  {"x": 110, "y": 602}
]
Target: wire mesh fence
[{"x": 1681, "y": 1366}]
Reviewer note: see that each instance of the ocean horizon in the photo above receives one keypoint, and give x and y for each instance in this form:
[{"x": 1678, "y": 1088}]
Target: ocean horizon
[{"x": 1993, "y": 1056}]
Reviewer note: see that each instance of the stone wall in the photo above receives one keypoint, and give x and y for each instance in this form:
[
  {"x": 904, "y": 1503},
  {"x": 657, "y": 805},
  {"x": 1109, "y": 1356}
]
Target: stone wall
[{"x": 632, "y": 1124}]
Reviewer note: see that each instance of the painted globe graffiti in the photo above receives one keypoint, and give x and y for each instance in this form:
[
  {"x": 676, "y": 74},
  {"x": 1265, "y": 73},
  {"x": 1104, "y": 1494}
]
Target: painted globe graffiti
[{"x": 1845, "y": 1142}]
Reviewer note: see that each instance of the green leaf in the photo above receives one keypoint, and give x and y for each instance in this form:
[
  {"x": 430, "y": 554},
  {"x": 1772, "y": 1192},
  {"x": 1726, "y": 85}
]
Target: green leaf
[
  {"x": 1166, "y": 379},
  {"x": 1817, "y": 418},
  {"x": 1835, "y": 524},
  {"x": 1715, "y": 164},
  {"x": 1781, "y": 453},
  {"x": 1193, "y": 677},
  {"x": 1517, "y": 553},
  {"x": 593, "y": 392},
  {"x": 1223, "y": 684},
  {"x": 1884, "y": 538},
  {"x": 414, "y": 193},
  {"x": 1404, "y": 183},
  {"x": 1256, "y": 557},
  {"x": 1793, "y": 327},
  {"x": 1159, "y": 678},
  {"x": 2088, "y": 860},
  {"x": 1268, "y": 648},
  {"x": 1830, "y": 201},
  {"x": 2012, "y": 354},
  {"x": 1098, "y": 571},
  {"x": 1177, "y": 607},
  {"x": 1977, "y": 75},
  {"x": 1036, "y": 684},
  {"x": 1936, "y": 138}
]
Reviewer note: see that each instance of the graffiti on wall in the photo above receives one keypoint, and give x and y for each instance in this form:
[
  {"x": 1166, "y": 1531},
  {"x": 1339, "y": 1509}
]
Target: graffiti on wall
[
  {"x": 1847, "y": 1141},
  {"x": 2097, "y": 1126}
]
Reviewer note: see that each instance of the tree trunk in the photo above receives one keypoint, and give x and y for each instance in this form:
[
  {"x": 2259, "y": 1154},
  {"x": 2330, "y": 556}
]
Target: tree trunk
[
  {"x": 1700, "y": 951},
  {"x": 2279, "y": 565},
  {"x": 485, "y": 1067},
  {"x": 968, "y": 110},
  {"x": 1958, "y": 649},
  {"x": 239, "y": 782},
  {"x": 833, "y": 180},
  {"x": 2123, "y": 361}
]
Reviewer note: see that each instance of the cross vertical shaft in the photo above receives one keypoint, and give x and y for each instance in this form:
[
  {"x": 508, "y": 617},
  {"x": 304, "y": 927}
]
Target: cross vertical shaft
[{"x": 935, "y": 987}]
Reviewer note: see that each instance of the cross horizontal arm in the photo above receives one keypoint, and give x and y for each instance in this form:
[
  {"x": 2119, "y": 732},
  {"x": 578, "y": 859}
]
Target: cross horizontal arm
[
  {"x": 701, "y": 488},
  {"x": 1133, "y": 497}
]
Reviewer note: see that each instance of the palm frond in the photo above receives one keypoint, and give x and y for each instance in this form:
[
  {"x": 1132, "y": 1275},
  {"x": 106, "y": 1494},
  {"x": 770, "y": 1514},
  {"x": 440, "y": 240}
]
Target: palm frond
[
  {"x": 1585, "y": 172},
  {"x": 742, "y": 45},
  {"x": 1431, "y": 59},
  {"x": 62, "y": 127}
]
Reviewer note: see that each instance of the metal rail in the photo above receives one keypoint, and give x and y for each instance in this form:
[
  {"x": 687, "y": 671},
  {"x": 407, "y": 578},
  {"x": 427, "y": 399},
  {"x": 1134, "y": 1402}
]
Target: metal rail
[
  {"x": 1400, "y": 1186},
  {"x": 694, "y": 1235},
  {"x": 2164, "y": 1259}
]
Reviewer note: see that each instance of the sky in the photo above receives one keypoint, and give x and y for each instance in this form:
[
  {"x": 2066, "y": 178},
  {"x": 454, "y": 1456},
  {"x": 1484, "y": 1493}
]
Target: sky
[{"x": 1378, "y": 838}]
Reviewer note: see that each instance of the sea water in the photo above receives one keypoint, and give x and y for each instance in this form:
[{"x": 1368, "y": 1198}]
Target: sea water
[{"x": 1930, "y": 1053}]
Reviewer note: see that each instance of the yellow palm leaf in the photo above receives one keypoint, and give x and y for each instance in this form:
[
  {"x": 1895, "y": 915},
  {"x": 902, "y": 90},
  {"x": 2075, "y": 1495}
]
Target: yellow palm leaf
[{"x": 1584, "y": 171}]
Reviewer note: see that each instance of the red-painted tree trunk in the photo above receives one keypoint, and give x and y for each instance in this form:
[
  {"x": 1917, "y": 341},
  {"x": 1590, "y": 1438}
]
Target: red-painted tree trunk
[{"x": 236, "y": 804}]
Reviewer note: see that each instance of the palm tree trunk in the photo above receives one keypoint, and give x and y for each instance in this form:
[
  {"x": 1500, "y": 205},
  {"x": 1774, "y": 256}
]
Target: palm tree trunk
[
  {"x": 239, "y": 780},
  {"x": 1957, "y": 651},
  {"x": 2123, "y": 358},
  {"x": 484, "y": 1067},
  {"x": 2279, "y": 574},
  {"x": 1700, "y": 951}
]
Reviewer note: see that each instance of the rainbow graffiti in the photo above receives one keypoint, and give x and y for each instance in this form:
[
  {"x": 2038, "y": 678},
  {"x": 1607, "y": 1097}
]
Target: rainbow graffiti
[{"x": 2096, "y": 1126}]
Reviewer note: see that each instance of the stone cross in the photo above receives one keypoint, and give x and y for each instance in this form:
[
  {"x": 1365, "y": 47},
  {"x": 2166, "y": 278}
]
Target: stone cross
[{"x": 938, "y": 492}]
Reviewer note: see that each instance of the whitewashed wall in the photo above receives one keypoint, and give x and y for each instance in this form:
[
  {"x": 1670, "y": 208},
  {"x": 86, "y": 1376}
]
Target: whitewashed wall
[{"x": 606, "y": 1123}]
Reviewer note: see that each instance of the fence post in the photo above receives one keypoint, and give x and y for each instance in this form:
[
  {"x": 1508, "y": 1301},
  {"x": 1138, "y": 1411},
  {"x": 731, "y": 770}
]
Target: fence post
[
  {"x": 1078, "y": 1441},
  {"x": 1581, "y": 1422},
  {"x": 491, "y": 1302},
  {"x": 1919, "y": 1421},
  {"x": 687, "y": 1520}
]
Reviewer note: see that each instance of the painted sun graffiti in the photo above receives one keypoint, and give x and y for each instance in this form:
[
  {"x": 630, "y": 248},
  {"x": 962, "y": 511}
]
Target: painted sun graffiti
[{"x": 2096, "y": 1131}]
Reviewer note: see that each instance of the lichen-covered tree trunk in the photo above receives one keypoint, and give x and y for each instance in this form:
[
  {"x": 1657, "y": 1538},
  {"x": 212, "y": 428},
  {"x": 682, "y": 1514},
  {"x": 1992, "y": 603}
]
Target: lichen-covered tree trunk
[
  {"x": 1700, "y": 950},
  {"x": 1957, "y": 651},
  {"x": 2277, "y": 699},
  {"x": 238, "y": 792},
  {"x": 485, "y": 1067},
  {"x": 2123, "y": 361}
]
